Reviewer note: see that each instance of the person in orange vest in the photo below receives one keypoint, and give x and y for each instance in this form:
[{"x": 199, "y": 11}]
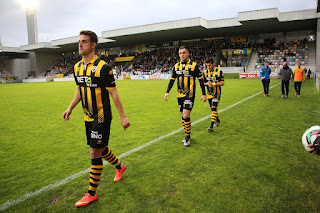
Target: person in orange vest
[{"x": 299, "y": 76}]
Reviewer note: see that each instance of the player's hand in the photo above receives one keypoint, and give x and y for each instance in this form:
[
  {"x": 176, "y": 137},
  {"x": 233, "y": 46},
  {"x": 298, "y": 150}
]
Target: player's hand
[
  {"x": 203, "y": 98},
  {"x": 125, "y": 123},
  {"x": 262, "y": 78},
  {"x": 66, "y": 114},
  {"x": 166, "y": 96},
  {"x": 210, "y": 83}
]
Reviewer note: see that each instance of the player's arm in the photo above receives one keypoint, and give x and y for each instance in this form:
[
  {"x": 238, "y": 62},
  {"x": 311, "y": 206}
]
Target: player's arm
[
  {"x": 220, "y": 83},
  {"x": 200, "y": 79},
  {"x": 292, "y": 75},
  {"x": 116, "y": 99},
  {"x": 261, "y": 74},
  {"x": 109, "y": 82},
  {"x": 76, "y": 99},
  {"x": 170, "y": 85}
]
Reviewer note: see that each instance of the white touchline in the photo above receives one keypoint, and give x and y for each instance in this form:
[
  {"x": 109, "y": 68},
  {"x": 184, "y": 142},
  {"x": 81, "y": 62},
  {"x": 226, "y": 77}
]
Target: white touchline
[{"x": 74, "y": 176}]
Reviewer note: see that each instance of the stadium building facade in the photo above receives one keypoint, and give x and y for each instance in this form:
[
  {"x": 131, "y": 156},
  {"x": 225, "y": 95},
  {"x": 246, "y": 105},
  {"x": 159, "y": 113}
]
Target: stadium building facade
[{"x": 249, "y": 27}]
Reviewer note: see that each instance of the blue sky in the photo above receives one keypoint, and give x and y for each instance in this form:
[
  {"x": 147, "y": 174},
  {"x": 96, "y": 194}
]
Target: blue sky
[{"x": 65, "y": 18}]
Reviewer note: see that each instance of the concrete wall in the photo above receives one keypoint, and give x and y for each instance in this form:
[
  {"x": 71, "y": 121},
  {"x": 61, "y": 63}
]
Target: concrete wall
[
  {"x": 45, "y": 61},
  {"x": 18, "y": 67}
]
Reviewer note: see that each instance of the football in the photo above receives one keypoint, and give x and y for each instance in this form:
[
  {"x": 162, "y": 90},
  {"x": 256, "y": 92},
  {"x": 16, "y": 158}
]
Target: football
[{"x": 310, "y": 136}]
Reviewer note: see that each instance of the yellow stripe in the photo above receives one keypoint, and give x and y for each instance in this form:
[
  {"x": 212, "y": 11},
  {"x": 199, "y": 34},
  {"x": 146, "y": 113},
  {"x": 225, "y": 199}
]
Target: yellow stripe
[
  {"x": 96, "y": 171},
  {"x": 106, "y": 155},
  {"x": 98, "y": 98},
  {"x": 186, "y": 67},
  {"x": 191, "y": 84},
  {"x": 193, "y": 66},
  {"x": 82, "y": 93},
  {"x": 97, "y": 166},
  {"x": 100, "y": 65},
  {"x": 95, "y": 176},
  {"x": 94, "y": 182},
  {"x": 172, "y": 78},
  {"x": 91, "y": 188},
  {"x": 88, "y": 71},
  {"x": 186, "y": 82},
  {"x": 75, "y": 68},
  {"x": 112, "y": 162},
  {"x": 180, "y": 81},
  {"x": 81, "y": 70}
]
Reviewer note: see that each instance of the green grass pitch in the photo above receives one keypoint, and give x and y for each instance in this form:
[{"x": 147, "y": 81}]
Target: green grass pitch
[{"x": 253, "y": 162}]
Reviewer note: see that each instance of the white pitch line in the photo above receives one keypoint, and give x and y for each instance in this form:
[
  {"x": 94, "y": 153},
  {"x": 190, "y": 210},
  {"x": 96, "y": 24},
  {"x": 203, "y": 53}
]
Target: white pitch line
[{"x": 86, "y": 171}]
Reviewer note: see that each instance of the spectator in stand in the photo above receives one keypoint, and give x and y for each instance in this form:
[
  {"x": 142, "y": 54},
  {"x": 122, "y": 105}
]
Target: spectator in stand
[
  {"x": 285, "y": 76},
  {"x": 298, "y": 78},
  {"x": 265, "y": 78}
]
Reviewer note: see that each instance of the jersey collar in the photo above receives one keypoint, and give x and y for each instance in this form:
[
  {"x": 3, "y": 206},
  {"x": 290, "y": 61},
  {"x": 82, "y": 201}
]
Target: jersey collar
[
  {"x": 185, "y": 62},
  {"x": 92, "y": 61}
]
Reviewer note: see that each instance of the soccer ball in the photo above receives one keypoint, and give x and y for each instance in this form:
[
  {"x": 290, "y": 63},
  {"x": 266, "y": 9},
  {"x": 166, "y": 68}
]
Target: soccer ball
[{"x": 310, "y": 136}]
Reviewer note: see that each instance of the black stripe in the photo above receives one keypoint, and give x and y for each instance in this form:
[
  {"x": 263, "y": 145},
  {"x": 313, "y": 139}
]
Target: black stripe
[
  {"x": 105, "y": 98},
  {"x": 111, "y": 158},
  {"x": 95, "y": 173},
  {"x": 93, "y": 91},
  {"x": 94, "y": 179},
  {"x": 93, "y": 185},
  {"x": 97, "y": 169}
]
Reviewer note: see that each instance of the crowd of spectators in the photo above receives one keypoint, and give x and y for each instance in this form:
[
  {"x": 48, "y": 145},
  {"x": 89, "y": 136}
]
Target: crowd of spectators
[
  {"x": 277, "y": 52},
  {"x": 3, "y": 73},
  {"x": 161, "y": 60}
]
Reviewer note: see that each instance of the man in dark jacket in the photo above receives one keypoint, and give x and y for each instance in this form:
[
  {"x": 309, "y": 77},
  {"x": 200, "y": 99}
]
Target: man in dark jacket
[{"x": 285, "y": 76}]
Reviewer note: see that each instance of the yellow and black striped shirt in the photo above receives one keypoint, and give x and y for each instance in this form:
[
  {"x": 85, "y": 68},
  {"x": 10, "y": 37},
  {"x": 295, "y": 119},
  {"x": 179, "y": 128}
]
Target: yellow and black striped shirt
[
  {"x": 216, "y": 75},
  {"x": 94, "y": 80},
  {"x": 186, "y": 74}
]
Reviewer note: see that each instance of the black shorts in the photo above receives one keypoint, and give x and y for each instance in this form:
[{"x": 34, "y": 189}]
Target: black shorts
[
  {"x": 213, "y": 102},
  {"x": 185, "y": 103},
  {"x": 97, "y": 133}
]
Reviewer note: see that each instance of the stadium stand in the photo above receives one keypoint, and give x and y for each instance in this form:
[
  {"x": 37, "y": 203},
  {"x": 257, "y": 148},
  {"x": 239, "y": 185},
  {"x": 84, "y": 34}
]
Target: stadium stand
[
  {"x": 277, "y": 52},
  {"x": 161, "y": 60}
]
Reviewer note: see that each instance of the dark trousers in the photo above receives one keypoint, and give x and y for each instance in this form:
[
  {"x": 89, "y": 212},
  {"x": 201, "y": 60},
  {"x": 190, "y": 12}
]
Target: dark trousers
[
  {"x": 265, "y": 84},
  {"x": 285, "y": 84},
  {"x": 297, "y": 87}
]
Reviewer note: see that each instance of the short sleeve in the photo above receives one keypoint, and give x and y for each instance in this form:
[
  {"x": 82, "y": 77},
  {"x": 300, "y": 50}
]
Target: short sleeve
[{"x": 107, "y": 77}]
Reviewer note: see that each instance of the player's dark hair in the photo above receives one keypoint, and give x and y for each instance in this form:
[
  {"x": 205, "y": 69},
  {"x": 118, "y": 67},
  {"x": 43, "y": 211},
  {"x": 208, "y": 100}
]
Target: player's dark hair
[
  {"x": 183, "y": 47},
  {"x": 210, "y": 61},
  {"x": 92, "y": 35}
]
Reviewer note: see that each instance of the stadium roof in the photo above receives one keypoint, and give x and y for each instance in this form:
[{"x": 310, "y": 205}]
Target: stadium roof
[{"x": 247, "y": 23}]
